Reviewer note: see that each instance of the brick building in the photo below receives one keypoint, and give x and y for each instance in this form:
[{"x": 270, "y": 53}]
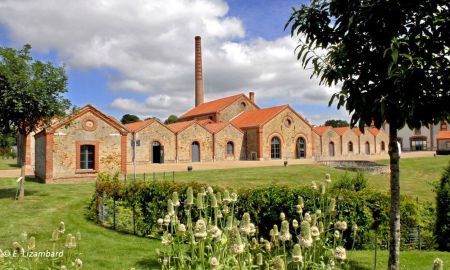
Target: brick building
[{"x": 231, "y": 128}]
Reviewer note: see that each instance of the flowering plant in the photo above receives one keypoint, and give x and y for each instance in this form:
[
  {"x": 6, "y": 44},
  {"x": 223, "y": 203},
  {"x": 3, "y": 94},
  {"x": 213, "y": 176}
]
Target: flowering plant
[{"x": 217, "y": 239}]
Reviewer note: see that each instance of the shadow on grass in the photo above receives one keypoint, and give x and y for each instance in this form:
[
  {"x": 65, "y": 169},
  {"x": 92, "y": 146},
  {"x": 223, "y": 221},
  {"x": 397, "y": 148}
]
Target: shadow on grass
[
  {"x": 149, "y": 263},
  {"x": 358, "y": 266}
]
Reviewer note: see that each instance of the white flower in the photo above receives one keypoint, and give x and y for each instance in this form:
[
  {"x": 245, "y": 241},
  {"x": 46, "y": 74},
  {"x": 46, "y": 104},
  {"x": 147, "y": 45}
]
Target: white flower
[
  {"x": 327, "y": 178},
  {"x": 160, "y": 221},
  {"x": 337, "y": 234},
  {"x": 343, "y": 225},
  {"x": 282, "y": 216},
  {"x": 167, "y": 220},
  {"x": 305, "y": 242},
  {"x": 438, "y": 264},
  {"x": 78, "y": 263},
  {"x": 295, "y": 224},
  {"x": 214, "y": 262},
  {"x": 18, "y": 248},
  {"x": 200, "y": 229},
  {"x": 181, "y": 228},
  {"x": 307, "y": 217},
  {"x": 315, "y": 233},
  {"x": 297, "y": 254},
  {"x": 63, "y": 267},
  {"x": 340, "y": 254},
  {"x": 215, "y": 232},
  {"x": 166, "y": 239},
  {"x": 62, "y": 227}
]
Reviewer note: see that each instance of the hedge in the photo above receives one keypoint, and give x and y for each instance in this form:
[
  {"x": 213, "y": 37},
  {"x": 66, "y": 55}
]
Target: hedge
[{"x": 369, "y": 209}]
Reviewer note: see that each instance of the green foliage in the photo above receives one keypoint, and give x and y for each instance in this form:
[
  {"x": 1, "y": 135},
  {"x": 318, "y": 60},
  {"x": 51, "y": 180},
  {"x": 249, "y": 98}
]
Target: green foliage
[
  {"x": 129, "y": 118},
  {"x": 7, "y": 140},
  {"x": 357, "y": 183},
  {"x": 367, "y": 208},
  {"x": 171, "y": 119},
  {"x": 442, "y": 229},
  {"x": 336, "y": 123},
  {"x": 31, "y": 92}
]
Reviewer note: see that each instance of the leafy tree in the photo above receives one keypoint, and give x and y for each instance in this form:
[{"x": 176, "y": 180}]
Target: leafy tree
[
  {"x": 129, "y": 118},
  {"x": 171, "y": 119},
  {"x": 337, "y": 123},
  {"x": 7, "y": 140},
  {"x": 31, "y": 93},
  {"x": 442, "y": 226},
  {"x": 390, "y": 59}
]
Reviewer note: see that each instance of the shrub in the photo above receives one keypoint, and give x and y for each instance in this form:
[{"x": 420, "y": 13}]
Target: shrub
[
  {"x": 358, "y": 183},
  {"x": 442, "y": 227}
]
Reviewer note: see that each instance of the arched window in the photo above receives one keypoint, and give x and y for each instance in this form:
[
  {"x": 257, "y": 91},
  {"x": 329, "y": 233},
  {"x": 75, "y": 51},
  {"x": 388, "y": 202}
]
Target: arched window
[
  {"x": 331, "y": 149},
  {"x": 350, "y": 147},
  {"x": 383, "y": 146},
  {"x": 301, "y": 148},
  {"x": 275, "y": 148},
  {"x": 367, "y": 148},
  {"x": 230, "y": 149}
]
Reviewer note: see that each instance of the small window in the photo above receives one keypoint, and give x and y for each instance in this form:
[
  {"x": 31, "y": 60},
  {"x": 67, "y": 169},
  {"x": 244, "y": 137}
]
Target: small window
[
  {"x": 287, "y": 122},
  {"x": 87, "y": 157},
  {"x": 367, "y": 148},
  {"x": 383, "y": 146},
  {"x": 331, "y": 149},
  {"x": 443, "y": 126},
  {"x": 243, "y": 105},
  {"x": 350, "y": 147},
  {"x": 230, "y": 149}
]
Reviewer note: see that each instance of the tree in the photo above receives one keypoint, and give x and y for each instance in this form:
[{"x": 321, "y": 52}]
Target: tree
[
  {"x": 390, "y": 59},
  {"x": 129, "y": 118},
  {"x": 336, "y": 123},
  {"x": 442, "y": 226},
  {"x": 31, "y": 94},
  {"x": 171, "y": 119}
]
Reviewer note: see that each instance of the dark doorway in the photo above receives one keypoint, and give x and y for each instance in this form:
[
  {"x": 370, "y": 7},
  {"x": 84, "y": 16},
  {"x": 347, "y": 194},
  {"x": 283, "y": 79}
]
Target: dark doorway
[
  {"x": 331, "y": 149},
  {"x": 195, "y": 152},
  {"x": 157, "y": 153}
]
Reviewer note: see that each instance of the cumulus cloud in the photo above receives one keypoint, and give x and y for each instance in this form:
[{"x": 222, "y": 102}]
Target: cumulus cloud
[{"x": 151, "y": 46}]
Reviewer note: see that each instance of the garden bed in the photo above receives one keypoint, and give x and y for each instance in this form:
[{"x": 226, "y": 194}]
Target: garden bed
[{"x": 357, "y": 165}]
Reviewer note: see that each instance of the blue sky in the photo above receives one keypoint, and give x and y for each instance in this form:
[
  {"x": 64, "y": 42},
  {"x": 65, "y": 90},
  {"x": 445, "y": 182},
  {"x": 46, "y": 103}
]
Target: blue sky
[{"x": 139, "y": 60}]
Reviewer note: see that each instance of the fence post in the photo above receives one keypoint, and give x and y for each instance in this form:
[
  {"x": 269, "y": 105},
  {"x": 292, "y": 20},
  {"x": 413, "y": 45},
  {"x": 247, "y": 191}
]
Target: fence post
[
  {"x": 125, "y": 179},
  {"x": 418, "y": 229},
  {"x": 114, "y": 213},
  {"x": 154, "y": 176},
  {"x": 164, "y": 176},
  {"x": 173, "y": 176},
  {"x": 144, "y": 177},
  {"x": 134, "y": 220}
]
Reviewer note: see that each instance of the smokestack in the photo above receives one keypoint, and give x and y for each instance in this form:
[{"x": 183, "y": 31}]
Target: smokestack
[
  {"x": 251, "y": 95},
  {"x": 199, "y": 93}
]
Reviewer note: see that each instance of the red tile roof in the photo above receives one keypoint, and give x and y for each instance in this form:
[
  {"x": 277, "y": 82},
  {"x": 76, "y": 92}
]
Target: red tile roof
[
  {"x": 216, "y": 127},
  {"x": 179, "y": 126},
  {"x": 341, "y": 130},
  {"x": 136, "y": 126},
  {"x": 211, "y": 106},
  {"x": 321, "y": 130},
  {"x": 444, "y": 134},
  {"x": 374, "y": 131},
  {"x": 357, "y": 131},
  {"x": 258, "y": 117}
]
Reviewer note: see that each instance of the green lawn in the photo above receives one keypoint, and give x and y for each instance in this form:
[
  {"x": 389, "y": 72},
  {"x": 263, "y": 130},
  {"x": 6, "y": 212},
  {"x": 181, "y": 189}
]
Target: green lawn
[
  {"x": 8, "y": 164},
  {"x": 417, "y": 176},
  {"x": 46, "y": 205}
]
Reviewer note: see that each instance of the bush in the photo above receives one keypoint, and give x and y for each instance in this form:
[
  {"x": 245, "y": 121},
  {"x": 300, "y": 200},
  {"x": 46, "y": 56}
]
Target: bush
[
  {"x": 358, "y": 183},
  {"x": 366, "y": 208},
  {"x": 442, "y": 227}
]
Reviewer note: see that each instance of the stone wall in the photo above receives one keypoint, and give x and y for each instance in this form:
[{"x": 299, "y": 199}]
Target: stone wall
[
  {"x": 154, "y": 132},
  {"x": 236, "y": 108},
  {"x": 229, "y": 134},
  {"x": 317, "y": 146},
  {"x": 185, "y": 138},
  {"x": 39, "y": 165},
  {"x": 288, "y": 134},
  {"x": 105, "y": 136},
  {"x": 367, "y": 137},
  {"x": 347, "y": 137},
  {"x": 382, "y": 136},
  {"x": 251, "y": 144},
  {"x": 330, "y": 136}
]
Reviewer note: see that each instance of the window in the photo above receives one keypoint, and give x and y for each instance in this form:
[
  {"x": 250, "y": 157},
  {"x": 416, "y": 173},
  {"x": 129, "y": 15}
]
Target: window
[
  {"x": 331, "y": 149},
  {"x": 418, "y": 143},
  {"x": 275, "y": 152},
  {"x": 350, "y": 147},
  {"x": 230, "y": 149},
  {"x": 243, "y": 105},
  {"x": 367, "y": 148},
  {"x": 287, "y": 122},
  {"x": 87, "y": 157},
  {"x": 301, "y": 148},
  {"x": 383, "y": 146}
]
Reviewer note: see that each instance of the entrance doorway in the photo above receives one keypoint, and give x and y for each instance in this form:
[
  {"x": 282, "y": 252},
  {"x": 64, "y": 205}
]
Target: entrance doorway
[
  {"x": 195, "y": 152},
  {"x": 157, "y": 152}
]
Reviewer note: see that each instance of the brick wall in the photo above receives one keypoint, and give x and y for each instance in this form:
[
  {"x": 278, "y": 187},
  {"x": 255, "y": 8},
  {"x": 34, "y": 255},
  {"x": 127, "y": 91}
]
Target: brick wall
[
  {"x": 39, "y": 170},
  {"x": 235, "y": 109},
  {"x": 195, "y": 132},
  {"x": 229, "y": 134}
]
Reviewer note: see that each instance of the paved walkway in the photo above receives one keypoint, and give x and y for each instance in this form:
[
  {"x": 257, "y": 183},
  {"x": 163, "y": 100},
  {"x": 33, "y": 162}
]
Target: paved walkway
[{"x": 148, "y": 167}]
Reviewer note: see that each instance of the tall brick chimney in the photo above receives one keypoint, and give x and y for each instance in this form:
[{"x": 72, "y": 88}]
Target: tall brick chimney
[
  {"x": 199, "y": 92},
  {"x": 251, "y": 96}
]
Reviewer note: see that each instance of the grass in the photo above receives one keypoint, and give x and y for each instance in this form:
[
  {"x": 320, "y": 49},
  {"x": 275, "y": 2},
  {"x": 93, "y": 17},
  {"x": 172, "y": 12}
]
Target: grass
[
  {"x": 8, "y": 164},
  {"x": 46, "y": 205},
  {"x": 409, "y": 260},
  {"x": 417, "y": 176}
]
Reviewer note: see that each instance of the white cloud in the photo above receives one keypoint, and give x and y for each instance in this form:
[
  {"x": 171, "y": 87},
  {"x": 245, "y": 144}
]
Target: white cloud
[{"x": 151, "y": 45}]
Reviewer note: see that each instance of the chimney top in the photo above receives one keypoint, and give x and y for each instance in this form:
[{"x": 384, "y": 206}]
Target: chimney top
[
  {"x": 198, "y": 37},
  {"x": 251, "y": 96}
]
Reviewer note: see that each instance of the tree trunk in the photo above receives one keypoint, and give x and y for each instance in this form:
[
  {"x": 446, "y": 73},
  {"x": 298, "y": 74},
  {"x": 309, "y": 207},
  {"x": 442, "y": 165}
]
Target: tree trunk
[
  {"x": 394, "y": 222},
  {"x": 23, "y": 153}
]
